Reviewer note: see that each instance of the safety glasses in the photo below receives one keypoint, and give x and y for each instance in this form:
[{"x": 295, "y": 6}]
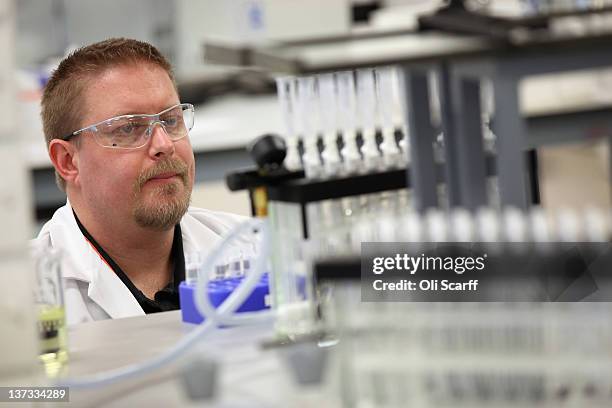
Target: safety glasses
[{"x": 134, "y": 131}]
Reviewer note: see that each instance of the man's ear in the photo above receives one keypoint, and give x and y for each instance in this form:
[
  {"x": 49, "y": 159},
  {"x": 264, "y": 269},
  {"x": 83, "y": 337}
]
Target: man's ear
[{"x": 64, "y": 156}]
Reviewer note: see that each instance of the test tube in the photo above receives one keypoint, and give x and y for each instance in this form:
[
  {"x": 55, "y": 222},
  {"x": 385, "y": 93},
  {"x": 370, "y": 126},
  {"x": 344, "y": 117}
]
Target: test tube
[
  {"x": 286, "y": 89},
  {"x": 400, "y": 87},
  {"x": 412, "y": 228},
  {"x": 399, "y": 111},
  {"x": 540, "y": 229},
  {"x": 193, "y": 263},
  {"x": 386, "y": 102},
  {"x": 221, "y": 271},
  {"x": 515, "y": 229},
  {"x": 568, "y": 226},
  {"x": 347, "y": 114},
  {"x": 388, "y": 106},
  {"x": 596, "y": 226},
  {"x": 327, "y": 106},
  {"x": 235, "y": 266},
  {"x": 462, "y": 225},
  {"x": 488, "y": 228},
  {"x": 367, "y": 112},
  {"x": 307, "y": 110},
  {"x": 515, "y": 225},
  {"x": 437, "y": 226},
  {"x": 246, "y": 252},
  {"x": 488, "y": 107}
]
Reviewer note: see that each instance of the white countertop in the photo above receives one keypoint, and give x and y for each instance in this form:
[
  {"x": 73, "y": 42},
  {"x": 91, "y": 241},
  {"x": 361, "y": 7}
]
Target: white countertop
[{"x": 249, "y": 376}]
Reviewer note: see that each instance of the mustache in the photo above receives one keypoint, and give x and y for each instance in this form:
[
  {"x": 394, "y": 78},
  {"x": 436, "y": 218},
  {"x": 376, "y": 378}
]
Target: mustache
[{"x": 169, "y": 165}]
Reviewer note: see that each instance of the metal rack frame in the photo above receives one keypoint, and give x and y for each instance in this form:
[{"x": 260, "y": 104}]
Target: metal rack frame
[
  {"x": 460, "y": 64},
  {"x": 293, "y": 187}
]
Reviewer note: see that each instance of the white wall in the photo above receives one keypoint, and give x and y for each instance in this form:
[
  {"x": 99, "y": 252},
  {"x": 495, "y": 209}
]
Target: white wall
[
  {"x": 18, "y": 340},
  {"x": 575, "y": 176},
  {"x": 215, "y": 196}
]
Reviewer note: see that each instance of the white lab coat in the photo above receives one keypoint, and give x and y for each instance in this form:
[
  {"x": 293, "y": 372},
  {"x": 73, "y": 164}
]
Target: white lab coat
[{"x": 92, "y": 291}]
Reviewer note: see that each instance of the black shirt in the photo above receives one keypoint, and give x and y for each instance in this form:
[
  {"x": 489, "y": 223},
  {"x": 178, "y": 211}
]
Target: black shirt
[{"x": 165, "y": 299}]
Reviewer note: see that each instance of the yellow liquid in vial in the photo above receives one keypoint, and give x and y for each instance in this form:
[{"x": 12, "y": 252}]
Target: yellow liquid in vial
[{"x": 52, "y": 337}]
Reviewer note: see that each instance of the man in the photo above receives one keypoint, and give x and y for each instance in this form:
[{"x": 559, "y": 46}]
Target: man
[{"x": 117, "y": 136}]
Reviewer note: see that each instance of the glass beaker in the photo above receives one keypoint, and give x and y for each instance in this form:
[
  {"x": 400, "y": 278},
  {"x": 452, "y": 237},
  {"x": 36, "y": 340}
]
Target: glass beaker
[{"x": 49, "y": 298}]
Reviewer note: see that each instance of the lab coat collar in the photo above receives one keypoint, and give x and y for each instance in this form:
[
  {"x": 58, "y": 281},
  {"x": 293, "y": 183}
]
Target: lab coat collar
[
  {"x": 83, "y": 263},
  {"x": 189, "y": 240}
]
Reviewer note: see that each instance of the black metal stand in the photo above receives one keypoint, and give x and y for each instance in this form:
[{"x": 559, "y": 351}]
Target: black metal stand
[{"x": 292, "y": 187}]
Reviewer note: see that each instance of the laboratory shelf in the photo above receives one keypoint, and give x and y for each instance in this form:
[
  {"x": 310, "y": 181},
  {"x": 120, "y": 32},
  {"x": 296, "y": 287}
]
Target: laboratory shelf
[
  {"x": 461, "y": 63},
  {"x": 367, "y": 52},
  {"x": 401, "y": 47}
]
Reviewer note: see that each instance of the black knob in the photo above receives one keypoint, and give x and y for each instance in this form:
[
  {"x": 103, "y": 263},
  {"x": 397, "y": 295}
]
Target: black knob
[{"x": 268, "y": 151}]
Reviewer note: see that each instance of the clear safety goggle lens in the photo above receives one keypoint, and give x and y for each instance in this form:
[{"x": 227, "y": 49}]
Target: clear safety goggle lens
[{"x": 133, "y": 131}]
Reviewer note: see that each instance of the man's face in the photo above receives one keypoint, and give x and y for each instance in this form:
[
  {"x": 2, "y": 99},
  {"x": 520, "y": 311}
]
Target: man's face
[{"x": 150, "y": 185}]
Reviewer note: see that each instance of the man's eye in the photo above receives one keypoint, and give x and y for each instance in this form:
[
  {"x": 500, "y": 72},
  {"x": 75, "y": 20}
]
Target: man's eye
[
  {"x": 171, "y": 121},
  {"x": 126, "y": 129}
]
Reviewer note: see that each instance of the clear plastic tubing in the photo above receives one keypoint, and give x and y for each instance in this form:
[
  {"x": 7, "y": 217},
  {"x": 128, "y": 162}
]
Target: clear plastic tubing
[
  {"x": 367, "y": 112},
  {"x": 307, "y": 111},
  {"x": 223, "y": 313},
  {"x": 347, "y": 116},
  {"x": 329, "y": 118},
  {"x": 287, "y": 97}
]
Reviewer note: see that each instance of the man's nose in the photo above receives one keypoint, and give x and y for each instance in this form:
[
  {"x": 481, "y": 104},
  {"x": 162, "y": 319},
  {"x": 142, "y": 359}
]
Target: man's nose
[{"x": 161, "y": 145}]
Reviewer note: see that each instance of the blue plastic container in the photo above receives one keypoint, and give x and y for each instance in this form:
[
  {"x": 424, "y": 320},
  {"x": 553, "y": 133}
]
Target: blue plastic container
[{"x": 218, "y": 291}]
